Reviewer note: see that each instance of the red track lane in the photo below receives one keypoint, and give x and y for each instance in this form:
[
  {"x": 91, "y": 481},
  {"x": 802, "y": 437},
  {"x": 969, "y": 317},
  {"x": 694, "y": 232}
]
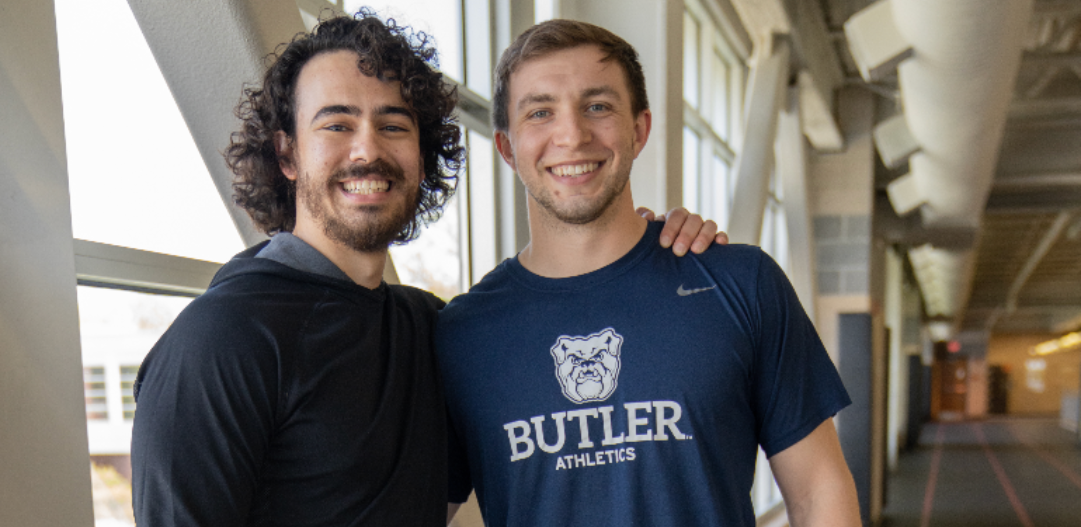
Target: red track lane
[
  {"x": 932, "y": 480},
  {"x": 1002, "y": 478}
]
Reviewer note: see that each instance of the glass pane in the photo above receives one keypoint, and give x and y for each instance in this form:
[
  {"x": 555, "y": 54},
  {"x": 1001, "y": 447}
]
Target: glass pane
[
  {"x": 690, "y": 170},
  {"x": 543, "y": 10},
  {"x": 135, "y": 176},
  {"x": 97, "y": 407},
  {"x": 718, "y": 89},
  {"x": 690, "y": 59},
  {"x": 780, "y": 237},
  {"x": 478, "y": 46},
  {"x": 482, "y": 205},
  {"x": 117, "y": 329},
  {"x": 721, "y": 198},
  {"x": 127, "y": 390},
  {"x": 442, "y": 19},
  {"x": 433, "y": 261},
  {"x": 767, "y": 238}
]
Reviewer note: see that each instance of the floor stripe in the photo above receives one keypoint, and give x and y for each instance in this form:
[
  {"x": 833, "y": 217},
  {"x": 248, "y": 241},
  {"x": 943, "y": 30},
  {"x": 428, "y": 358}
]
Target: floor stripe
[
  {"x": 1051, "y": 460},
  {"x": 1018, "y": 508},
  {"x": 932, "y": 480}
]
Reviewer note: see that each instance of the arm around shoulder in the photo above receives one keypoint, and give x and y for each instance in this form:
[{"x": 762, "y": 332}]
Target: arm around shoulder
[{"x": 815, "y": 481}]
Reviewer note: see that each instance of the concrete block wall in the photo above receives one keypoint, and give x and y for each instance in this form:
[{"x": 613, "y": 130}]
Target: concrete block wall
[{"x": 842, "y": 253}]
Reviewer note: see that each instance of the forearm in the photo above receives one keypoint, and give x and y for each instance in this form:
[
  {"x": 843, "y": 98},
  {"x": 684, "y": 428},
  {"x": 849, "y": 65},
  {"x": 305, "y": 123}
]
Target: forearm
[
  {"x": 831, "y": 502},
  {"x": 815, "y": 481}
]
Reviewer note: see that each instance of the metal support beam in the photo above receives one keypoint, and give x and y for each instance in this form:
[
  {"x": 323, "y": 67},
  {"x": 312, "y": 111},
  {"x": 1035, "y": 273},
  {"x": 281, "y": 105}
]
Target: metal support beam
[
  {"x": 1044, "y": 108},
  {"x": 1038, "y": 180},
  {"x": 207, "y": 50},
  {"x": 510, "y": 18},
  {"x": 791, "y": 155},
  {"x": 1048, "y": 240},
  {"x": 767, "y": 90},
  {"x": 125, "y": 268},
  {"x": 45, "y": 479}
]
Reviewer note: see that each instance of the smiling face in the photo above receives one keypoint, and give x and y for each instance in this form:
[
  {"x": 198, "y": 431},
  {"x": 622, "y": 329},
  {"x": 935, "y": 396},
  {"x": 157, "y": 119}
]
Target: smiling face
[
  {"x": 355, "y": 156},
  {"x": 571, "y": 134}
]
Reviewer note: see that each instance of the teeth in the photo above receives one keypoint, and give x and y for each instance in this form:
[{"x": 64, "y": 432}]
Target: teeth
[
  {"x": 574, "y": 170},
  {"x": 366, "y": 186}
]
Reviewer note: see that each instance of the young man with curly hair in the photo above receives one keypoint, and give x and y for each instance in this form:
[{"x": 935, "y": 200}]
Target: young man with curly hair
[
  {"x": 597, "y": 380},
  {"x": 301, "y": 389}
]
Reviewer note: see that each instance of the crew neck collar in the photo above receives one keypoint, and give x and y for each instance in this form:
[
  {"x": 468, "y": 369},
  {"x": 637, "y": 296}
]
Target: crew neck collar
[{"x": 647, "y": 243}]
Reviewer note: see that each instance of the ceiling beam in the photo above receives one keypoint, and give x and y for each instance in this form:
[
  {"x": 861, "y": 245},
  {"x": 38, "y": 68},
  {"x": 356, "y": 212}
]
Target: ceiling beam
[
  {"x": 1035, "y": 180},
  {"x": 1041, "y": 200},
  {"x": 1049, "y": 238},
  {"x": 1044, "y": 108},
  {"x": 1045, "y": 58}
]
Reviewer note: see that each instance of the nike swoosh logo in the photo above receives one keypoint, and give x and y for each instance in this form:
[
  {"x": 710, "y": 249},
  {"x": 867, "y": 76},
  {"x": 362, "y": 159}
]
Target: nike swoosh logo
[{"x": 685, "y": 292}]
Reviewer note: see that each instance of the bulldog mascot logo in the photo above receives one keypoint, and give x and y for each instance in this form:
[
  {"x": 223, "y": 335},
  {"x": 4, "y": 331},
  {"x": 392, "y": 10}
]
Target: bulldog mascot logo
[{"x": 587, "y": 367}]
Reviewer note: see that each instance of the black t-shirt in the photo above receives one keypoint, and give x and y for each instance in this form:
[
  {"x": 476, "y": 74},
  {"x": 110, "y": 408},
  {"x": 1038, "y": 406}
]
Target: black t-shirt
[{"x": 282, "y": 397}]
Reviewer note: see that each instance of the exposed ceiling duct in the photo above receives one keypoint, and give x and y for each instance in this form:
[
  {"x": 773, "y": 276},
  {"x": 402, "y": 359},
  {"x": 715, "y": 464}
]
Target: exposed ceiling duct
[{"x": 956, "y": 88}]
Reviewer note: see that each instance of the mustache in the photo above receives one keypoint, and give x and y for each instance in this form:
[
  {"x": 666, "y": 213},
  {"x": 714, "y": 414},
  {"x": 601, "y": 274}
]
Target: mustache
[{"x": 379, "y": 167}]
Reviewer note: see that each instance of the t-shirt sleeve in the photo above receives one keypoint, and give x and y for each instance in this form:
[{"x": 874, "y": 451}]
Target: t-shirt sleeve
[
  {"x": 796, "y": 384},
  {"x": 205, "y": 400}
]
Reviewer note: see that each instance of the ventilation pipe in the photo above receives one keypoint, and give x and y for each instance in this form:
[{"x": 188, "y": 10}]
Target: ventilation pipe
[{"x": 956, "y": 89}]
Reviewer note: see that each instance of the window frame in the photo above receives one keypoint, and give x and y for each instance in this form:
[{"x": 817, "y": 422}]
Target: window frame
[{"x": 716, "y": 140}]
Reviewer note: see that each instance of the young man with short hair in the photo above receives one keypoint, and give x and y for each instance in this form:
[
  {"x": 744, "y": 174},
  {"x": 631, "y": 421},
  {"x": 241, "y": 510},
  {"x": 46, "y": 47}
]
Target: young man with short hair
[{"x": 597, "y": 380}]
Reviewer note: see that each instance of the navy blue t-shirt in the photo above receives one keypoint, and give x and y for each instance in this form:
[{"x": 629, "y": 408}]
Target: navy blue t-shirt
[{"x": 637, "y": 394}]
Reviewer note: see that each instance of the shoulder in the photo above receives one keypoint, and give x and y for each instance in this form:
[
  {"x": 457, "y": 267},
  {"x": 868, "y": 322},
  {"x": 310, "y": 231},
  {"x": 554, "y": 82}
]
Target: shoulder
[
  {"x": 416, "y": 299},
  {"x": 739, "y": 264},
  {"x": 246, "y": 318},
  {"x": 483, "y": 298}
]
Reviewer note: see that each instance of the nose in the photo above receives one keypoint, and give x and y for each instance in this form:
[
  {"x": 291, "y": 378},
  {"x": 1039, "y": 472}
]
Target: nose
[
  {"x": 572, "y": 129},
  {"x": 366, "y": 145}
]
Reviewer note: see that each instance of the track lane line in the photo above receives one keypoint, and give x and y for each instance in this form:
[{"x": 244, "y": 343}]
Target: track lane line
[
  {"x": 1051, "y": 460},
  {"x": 932, "y": 480},
  {"x": 1003, "y": 479}
]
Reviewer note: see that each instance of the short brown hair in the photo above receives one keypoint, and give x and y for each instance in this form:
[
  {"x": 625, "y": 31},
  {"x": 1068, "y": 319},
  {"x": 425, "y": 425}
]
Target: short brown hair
[{"x": 557, "y": 35}]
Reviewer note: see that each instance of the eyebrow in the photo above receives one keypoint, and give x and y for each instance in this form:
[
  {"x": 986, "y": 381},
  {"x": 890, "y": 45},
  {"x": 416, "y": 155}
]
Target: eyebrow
[
  {"x": 601, "y": 90},
  {"x": 534, "y": 98},
  {"x": 336, "y": 109},
  {"x": 355, "y": 111}
]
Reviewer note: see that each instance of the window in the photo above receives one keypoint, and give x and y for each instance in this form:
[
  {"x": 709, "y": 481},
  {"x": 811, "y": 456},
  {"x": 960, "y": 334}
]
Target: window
[
  {"x": 135, "y": 175},
  {"x": 117, "y": 330},
  {"x": 441, "y": 19},
  {"x": 127, "y": 390},
  {"x": 97, "y": 407},
  {"x": 765, "y": 494},
  {"x": 775, "y": 225},
  {"x": 713, "y": 75}
]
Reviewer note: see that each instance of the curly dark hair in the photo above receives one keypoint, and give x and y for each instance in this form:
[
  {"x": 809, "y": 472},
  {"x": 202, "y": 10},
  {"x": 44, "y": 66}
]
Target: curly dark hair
[{"x": 388, "y": 52}]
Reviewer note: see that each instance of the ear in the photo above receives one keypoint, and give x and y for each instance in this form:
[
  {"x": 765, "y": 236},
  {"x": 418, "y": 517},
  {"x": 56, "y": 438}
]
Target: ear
[
  {"x": 283, "y": 146},
  {"x": 642, "y": 125},
  {"x": 502, "y": 144},
  {"x": 559, "y": 351}
]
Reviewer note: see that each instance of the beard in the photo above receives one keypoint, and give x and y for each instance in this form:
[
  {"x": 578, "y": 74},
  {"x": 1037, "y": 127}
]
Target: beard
[
  {"x": 376, "y": 226},
  {"x": 587, "y": 212}
]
